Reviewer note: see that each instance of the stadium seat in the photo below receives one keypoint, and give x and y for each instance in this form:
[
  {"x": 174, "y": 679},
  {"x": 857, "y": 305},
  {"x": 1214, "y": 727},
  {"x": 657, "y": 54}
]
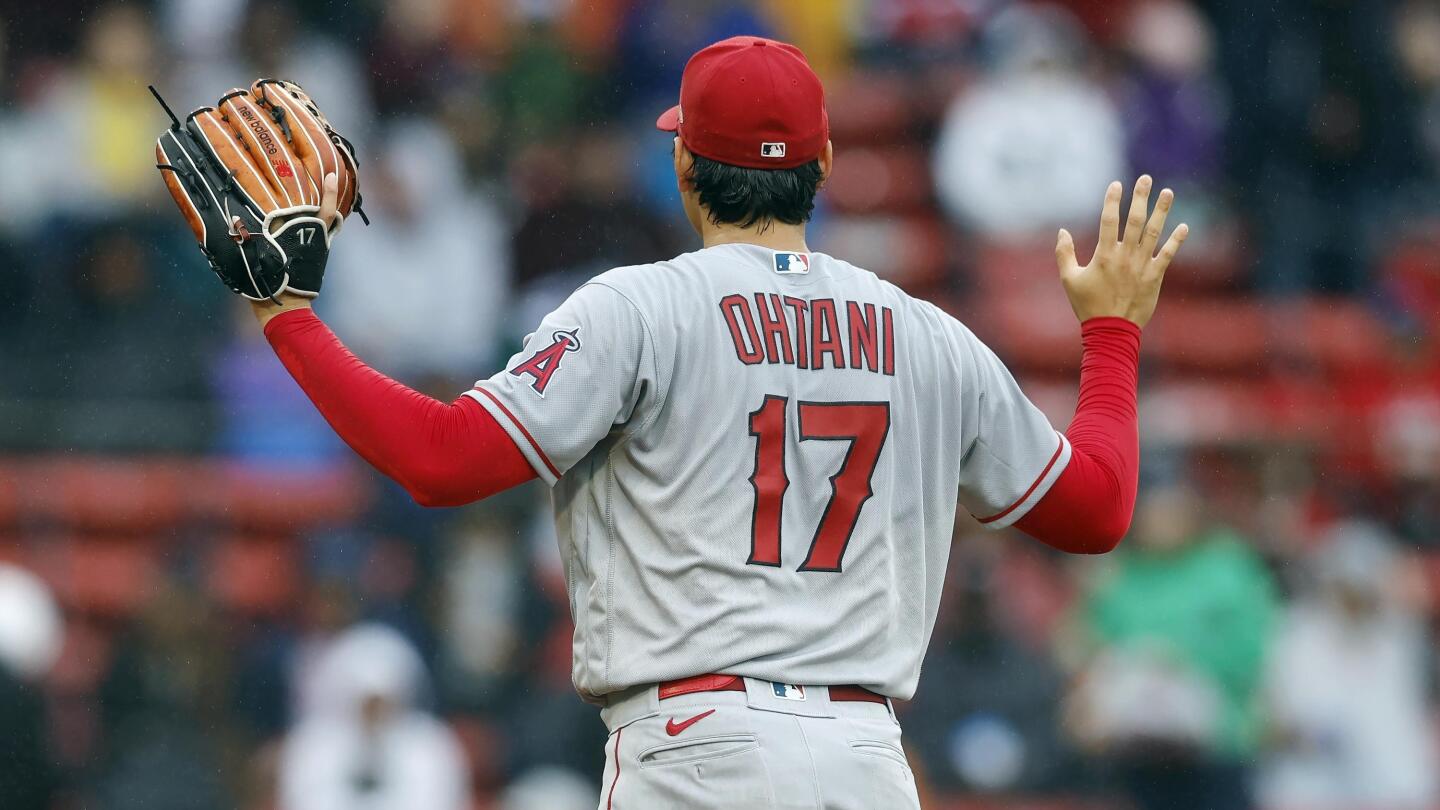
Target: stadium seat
[
  {"x": 868, "y": 109},
  {"x": 1332, "y": 333},
  {"x": 484, "y": 745},
  {"x": 11, "y": 550},
  {"x": 890, "y": 179},
  {"x": 97, "y": 575},
  {"x": 1031, "y": 327},
  {"x": 85, "y": 657},
  {"x": 113, "y": 495},
  {"x": 1209, "y": 334},
  {"x": 255, "y": 575},
  {"x": 1002, "y": 267},
  {"x": 9, "y": 494},
  {"x": 281, "y": 500}
]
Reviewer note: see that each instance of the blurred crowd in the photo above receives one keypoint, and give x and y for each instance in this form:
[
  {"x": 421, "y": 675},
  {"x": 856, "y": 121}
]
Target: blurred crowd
[{"x": 191, "y": 565}]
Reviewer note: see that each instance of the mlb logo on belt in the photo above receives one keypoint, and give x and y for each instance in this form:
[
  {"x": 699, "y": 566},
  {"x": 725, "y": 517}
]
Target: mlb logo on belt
[
  {"x": 788, "y": 691},
  {"x": 792, "y": 262}
]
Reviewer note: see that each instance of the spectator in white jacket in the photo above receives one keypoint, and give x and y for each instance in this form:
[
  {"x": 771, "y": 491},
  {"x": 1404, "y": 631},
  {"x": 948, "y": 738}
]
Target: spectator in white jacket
[
  {"x": 1346, "y": 692},
  {"x": 1022, "y": 150},
  {"x": 368, "y": 746}
]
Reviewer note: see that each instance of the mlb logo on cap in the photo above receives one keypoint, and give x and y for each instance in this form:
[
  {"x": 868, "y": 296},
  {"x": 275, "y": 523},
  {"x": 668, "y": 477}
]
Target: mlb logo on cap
[
  {"x": 751, "y": 102},
  {"x": 786, "y": 262}
]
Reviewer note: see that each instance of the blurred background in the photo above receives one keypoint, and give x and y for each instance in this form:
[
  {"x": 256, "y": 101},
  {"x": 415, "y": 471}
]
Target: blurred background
[{"x": 191, "y": 566}]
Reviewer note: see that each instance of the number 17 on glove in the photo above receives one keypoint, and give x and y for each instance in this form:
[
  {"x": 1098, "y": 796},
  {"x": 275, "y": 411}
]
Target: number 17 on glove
[{"x": 248, "y": 176}]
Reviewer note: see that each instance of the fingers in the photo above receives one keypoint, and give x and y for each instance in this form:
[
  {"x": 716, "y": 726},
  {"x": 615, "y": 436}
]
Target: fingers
[
  {"x": 307, "y": 135},
  {"x": 330, "y": 201},
  {"x": 212, "y": 130},
  {"x": 1156, "y": 226},
  {"x": 1065, "y": 254},
  {"x": 264, "y": 142},
  {"x": 1139, "y": 207},
  {"x": 1110, "y": 218},
  {"x": 1167, "y": 253}
]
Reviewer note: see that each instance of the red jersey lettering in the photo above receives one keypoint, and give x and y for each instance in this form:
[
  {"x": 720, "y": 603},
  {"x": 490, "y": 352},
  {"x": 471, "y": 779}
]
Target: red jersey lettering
[{"x": 747, "y": 345}]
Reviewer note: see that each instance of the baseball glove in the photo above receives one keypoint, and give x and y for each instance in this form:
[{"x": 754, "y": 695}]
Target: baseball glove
[{"x": 248, "y": 175}]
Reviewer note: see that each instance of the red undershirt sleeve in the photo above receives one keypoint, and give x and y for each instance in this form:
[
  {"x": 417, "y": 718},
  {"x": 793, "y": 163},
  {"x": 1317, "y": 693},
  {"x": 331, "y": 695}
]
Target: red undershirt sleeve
[
  {"x": 442, "y": 454},
  {"x": 1089, "y": 507}
]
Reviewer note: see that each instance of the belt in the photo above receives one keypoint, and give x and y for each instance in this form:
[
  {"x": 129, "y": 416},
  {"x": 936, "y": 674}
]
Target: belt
[{"x": 735, "y": 683}]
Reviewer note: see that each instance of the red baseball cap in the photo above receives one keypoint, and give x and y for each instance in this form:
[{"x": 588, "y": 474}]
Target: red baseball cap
[{"x": 752, "y": 102}]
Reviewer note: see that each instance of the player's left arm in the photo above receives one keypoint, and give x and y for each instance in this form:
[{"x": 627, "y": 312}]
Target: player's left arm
[
  {"x": 1088, "y": 508},
  {"x": 1081, "y": 498}
]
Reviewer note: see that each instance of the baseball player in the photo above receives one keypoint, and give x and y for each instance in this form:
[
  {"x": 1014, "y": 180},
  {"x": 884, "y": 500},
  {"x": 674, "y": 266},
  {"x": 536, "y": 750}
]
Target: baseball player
[{"x": 755, "y": 452}]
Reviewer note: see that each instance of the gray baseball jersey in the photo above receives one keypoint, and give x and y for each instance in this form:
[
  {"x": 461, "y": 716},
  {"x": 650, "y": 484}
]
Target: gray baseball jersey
[{"x": 755, "y": 459}]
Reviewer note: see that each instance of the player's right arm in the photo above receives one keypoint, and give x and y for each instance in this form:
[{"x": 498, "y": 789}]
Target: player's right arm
[
  {"x": 587, "y": 372},
  {"x": 443, "y": 454},
  {"x": 1089, "y": 507},
  {"x": 583, "y": 374}
]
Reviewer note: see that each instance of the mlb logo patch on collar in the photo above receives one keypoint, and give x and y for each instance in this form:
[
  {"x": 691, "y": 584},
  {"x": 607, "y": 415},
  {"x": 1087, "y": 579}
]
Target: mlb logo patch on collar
[{"x": 791, "y": 262}]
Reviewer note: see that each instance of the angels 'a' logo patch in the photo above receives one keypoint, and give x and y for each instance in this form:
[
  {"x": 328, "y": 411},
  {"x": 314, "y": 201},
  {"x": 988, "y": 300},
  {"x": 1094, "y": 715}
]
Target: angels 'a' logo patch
[{"x": 543, "y": 364}]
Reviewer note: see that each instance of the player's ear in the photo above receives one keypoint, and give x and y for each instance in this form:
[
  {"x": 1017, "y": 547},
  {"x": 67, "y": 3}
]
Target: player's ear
[
  {"x": 827, "y": 162},
  {"x": 684, "y": 162}
]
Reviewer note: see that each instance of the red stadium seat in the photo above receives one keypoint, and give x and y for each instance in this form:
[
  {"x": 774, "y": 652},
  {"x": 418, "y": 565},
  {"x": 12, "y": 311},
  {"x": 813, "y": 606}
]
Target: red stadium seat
[
  {"x": 147, "y": 497},
  {"x": 484, "y": 745},
  {"x": 281, "y": 500},
  {"x": 9, "y": 494},
  {"x": 106, "y": 494},
  {"x": 253, "y": 575},
  {"x": 1002, "y": 267},
  {"x": 1301, "y": 408},
  {"x": 1332, "y": 333},
  {"x": 1209, "y": 334},
  {"x": 102, "y": 576},
  {"x": 892, "y": 179},
  {"x": 84, "y": 658},
  {"x": 868, "y": 109},
  {"x": 1031, "y": 327}
]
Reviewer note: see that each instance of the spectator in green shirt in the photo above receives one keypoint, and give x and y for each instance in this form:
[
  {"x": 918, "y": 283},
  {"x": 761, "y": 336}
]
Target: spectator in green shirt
[{"x": 1175, "y": 636}]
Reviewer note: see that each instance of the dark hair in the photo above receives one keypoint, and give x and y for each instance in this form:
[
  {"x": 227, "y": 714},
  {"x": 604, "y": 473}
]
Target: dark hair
[{"x": 740, "y": 196}]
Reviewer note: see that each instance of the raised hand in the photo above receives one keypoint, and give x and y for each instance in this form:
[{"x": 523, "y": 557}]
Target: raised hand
[{"x": 1123, "y": 277}]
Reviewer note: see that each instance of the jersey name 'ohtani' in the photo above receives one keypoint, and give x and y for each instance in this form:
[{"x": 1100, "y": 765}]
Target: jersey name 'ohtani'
[{"x": 808, "y": 333}]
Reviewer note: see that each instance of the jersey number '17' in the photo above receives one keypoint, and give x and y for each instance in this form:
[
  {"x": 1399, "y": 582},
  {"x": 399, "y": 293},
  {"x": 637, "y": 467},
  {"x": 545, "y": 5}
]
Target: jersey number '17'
[{"x": 865, "y": 425}]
